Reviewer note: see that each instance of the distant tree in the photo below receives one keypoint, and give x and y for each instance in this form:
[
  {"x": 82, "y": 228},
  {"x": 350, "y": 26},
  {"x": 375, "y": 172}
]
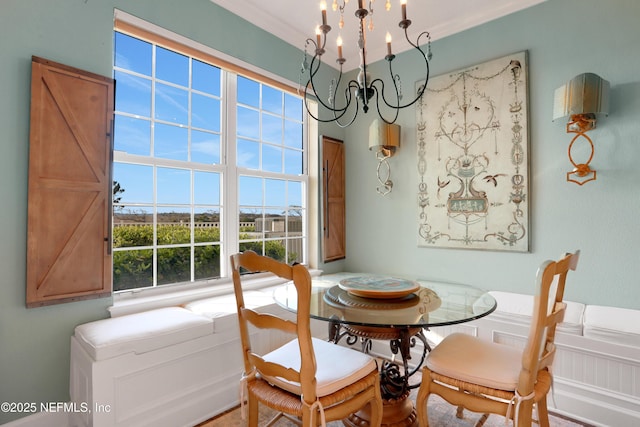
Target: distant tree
[{"x": 117, "y": 191}]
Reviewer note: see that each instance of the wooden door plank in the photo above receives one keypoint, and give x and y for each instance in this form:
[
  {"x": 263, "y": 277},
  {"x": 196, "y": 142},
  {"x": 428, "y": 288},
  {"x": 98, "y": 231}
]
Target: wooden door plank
[
  {"x": 334, "y": 221},
  {"x": 68, "y": 253}
]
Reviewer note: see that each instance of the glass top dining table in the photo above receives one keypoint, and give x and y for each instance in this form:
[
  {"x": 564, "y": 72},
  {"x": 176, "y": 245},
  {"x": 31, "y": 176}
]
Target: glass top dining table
[
  {"x": 367, "y": 307},
  {"x": 386, "y": 302}
]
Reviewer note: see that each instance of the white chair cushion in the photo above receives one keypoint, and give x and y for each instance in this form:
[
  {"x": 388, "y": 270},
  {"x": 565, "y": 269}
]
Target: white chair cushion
[
  {"x": 473, "y": 360},
  {"x": 337, "y": 367},
  {"x": 612, "y": 324},
  {"x": 141, "y": 332},
  {"x": 518, "y": 308}
]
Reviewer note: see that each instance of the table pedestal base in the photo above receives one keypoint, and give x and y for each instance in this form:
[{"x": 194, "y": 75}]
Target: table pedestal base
[{"x": 395, "y": 413}]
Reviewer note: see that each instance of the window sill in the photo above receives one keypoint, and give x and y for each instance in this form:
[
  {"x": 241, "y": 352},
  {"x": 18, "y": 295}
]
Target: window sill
[{"x": 135, "y": 301}]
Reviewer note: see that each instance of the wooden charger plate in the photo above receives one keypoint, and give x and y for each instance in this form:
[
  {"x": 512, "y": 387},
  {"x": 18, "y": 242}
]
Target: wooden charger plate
[{"x": 379, "y": 287}]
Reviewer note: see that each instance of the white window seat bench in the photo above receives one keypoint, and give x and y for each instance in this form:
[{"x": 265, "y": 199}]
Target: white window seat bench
[
  {"x": 181, "y": 365},
  {"x": 173, "y": 366}
]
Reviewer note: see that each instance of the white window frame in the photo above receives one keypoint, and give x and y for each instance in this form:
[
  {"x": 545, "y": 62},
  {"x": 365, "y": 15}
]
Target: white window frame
[{"x": 146, "y": 298}]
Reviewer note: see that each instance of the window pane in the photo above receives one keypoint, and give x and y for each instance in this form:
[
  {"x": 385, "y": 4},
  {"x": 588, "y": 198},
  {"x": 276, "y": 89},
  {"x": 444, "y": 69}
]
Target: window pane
[
  {"x": 247, "y": 223},
  {"x": 248, "y": 92},
  {"x": 248, "y": 123},
  {"x": 294, "y": 193},
  {"x": 250, "y": 191},
  {"x": 206, "y": 225},
  {"x": 293, "y": 134},
  {"x": 207, "y": 262},
  {"x": 292, "y": 107},
  {"x": 205, "y": 78},
  {"x": 174, "y": 226},
  {"x": 174, "y": 186},
  {"x": 271, "y": 129},
  {"x": 174, "y": 265},
  {"x": 294, "y": 222},
  {"x": 275, "y": 249},
  {"x": 136, "y": 181},
  {"x": 205, "y": 112},
  {"x": 131, "y": 135},
  {"x": 172, "y": 104},
  {"x": 271, "y": 158},
  {"x": 133, "y": 94},
  {"x": 133, "y": 227},
  {"x": 171, "y": 142},
  {"x": 257, "y": 247},
  {"x": 275, "y": 192},
  {"x": 295, "y": 250},
  {"x": 248, "y": 155},
  {"x": 250, "y": 224},
  {"x": 206, "y": 188},
  {"x": 132, "y": 54},
  {"x": 205, "y": 147},
  {"x": 132, "y": 269},
  {"x": 172, "y": 67},
  {"x": 293, "y": 162},
  {"x": 272, "y": 100},
  {"x": 273, "y": 224}
]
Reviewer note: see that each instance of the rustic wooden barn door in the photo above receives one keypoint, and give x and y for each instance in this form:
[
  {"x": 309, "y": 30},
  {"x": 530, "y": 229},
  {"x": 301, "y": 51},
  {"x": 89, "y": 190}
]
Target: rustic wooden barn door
[
  {"x": 69, "y": 212},
  {"x": 333, "y": 200}
]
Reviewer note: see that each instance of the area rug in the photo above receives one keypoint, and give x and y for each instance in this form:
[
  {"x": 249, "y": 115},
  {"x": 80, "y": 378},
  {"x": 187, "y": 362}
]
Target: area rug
[{"x": 441, "y": 414}]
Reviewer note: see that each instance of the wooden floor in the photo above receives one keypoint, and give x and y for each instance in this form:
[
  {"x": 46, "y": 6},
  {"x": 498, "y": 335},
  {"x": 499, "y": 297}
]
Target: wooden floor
[{"x": 441, "y": 414}]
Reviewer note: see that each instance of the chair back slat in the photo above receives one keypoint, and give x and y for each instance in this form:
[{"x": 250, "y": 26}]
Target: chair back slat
[
  {"x": 274, "y": 369},
  {"x": 268, "y": 321},
  {"x": 549, "y": 310}
]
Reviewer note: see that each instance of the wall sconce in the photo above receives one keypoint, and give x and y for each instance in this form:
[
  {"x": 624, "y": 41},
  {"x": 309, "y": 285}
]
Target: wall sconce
[
  {"x": 582, "y": 99},
  {"x": 384, "y": 138}
]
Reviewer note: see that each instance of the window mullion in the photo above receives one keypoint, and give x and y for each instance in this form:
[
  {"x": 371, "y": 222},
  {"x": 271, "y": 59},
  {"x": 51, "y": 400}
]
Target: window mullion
[
  {"x": 155, "y": 168},
  {"x": 230, "y": 188}
]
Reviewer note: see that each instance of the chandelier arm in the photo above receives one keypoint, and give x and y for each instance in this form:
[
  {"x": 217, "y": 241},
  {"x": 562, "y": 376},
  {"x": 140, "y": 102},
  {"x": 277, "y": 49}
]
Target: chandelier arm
[
  {"x": 381, "y": 91},
  {"x": 347, "y": 98},
  {"x": 338, "y": 113},
  {"x": 426, "y": 63},
  {"x": 312, "y": 72},
  {"x": 336, "y": 118},
  {"x": 379, "y": 94},
  {"x": 347, "y": 95}
]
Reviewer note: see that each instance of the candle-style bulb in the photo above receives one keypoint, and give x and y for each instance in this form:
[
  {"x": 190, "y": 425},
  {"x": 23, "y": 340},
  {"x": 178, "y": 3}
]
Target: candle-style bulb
[
  {"x": 318, "y": 33},
  {"x": 339, "y": 43},
  {"x": 323, "y": 8},
  {"x": 403, "y": 3},
  {"x": 388, "y": 40}
]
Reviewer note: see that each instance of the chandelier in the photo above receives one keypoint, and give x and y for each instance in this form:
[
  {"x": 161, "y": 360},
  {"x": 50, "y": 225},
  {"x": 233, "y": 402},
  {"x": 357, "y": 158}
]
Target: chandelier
[{"x": 339, "y": 105}]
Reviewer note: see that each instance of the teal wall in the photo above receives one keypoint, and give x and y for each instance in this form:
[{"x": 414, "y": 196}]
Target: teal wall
[
  {"x": 34, "y": 343},
  {"x": 563, "y": 37}
]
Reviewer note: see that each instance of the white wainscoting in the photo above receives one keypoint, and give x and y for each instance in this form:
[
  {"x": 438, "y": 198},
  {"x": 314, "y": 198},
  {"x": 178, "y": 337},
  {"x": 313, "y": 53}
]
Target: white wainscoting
[{"x": 595, "y": 381}]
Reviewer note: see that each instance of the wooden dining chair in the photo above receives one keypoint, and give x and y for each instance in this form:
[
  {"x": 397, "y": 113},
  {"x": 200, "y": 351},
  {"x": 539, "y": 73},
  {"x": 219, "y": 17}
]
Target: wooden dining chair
[
  {"x": 308, "y": 380},
  {"x": 494, "y": 378}
]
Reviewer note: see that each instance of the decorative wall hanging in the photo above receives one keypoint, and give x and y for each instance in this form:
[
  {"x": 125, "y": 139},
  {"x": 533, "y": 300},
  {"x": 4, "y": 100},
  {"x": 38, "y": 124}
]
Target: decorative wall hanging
[{"x": 472, "y": 141}]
